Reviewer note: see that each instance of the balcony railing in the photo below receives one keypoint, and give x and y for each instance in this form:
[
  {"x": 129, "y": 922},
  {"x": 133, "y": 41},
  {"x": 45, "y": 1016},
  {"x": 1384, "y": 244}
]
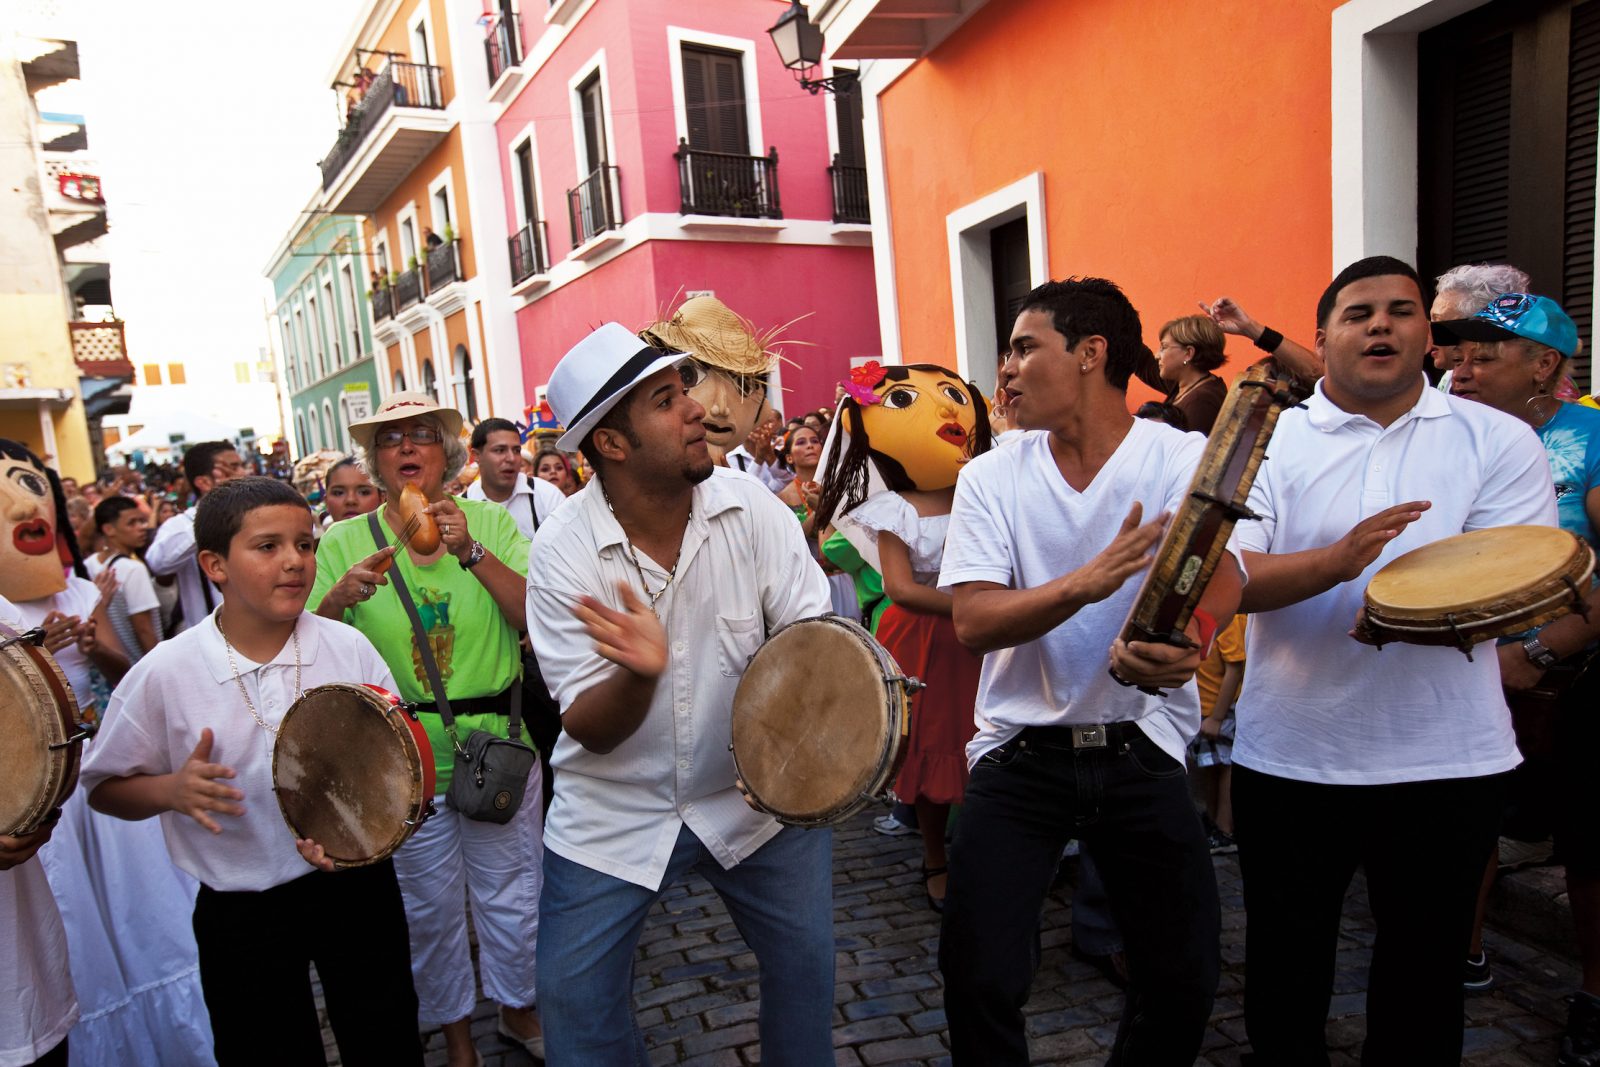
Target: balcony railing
[
  {"x": 407, "y": 290},
  {"x": 849, "y": 193},
  {"x": 502, "y": 45},
  {"x": 721, "y": 183},
  {"x": 382, "y": 304},
  {"x": 444, "y": 265},
  {"x": 530, "y": 252},
  {"x": 595, "y": 205},
  {"x": 100, "y": 349},
  {"x": 398, "y": 85}
]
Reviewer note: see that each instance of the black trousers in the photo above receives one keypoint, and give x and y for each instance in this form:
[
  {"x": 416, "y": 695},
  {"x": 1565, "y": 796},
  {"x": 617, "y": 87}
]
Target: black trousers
[
  {"x": 1423, "y": 846},
  {"x": 1129, "y": 804},
  {"x": 255, "y": 955}
]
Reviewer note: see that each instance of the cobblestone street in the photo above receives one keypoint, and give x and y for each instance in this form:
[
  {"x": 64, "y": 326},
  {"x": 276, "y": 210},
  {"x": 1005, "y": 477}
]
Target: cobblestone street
[{"x": 695, "y": 987}]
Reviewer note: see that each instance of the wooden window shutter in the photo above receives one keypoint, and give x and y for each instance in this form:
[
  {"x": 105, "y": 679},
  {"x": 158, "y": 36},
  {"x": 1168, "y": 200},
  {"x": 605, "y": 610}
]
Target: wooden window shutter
[
  {"x": 1480, "y": 164},
  {"x": 714, "y": 102},
  {"x": 1583, "y": 114},
  {"x": 848, "y": 111}
]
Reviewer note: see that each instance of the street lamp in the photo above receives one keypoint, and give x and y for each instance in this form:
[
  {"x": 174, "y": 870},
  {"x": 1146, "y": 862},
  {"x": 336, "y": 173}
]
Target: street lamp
[{"x": 799, "y": 45}]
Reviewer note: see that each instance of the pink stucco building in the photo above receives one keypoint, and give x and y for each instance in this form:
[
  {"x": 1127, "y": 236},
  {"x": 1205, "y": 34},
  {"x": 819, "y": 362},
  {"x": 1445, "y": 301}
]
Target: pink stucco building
[{"x": 653, "y": 149}]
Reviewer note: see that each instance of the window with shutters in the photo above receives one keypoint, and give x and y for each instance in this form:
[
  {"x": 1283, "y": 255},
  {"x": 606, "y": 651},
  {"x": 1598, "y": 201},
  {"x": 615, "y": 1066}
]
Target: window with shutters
[
  {"x": 1008, "y": 257},
  {"x": 1509, "y": 96},
  {"x": 714, "y": 101}
]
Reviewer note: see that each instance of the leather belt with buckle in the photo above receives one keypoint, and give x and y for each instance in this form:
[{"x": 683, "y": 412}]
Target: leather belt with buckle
[{"x": 1088, "y": 736}]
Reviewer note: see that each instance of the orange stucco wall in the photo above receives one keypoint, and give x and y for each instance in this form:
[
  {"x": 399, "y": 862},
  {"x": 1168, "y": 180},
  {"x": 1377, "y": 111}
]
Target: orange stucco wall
[{"x": 1184, "y": 148}]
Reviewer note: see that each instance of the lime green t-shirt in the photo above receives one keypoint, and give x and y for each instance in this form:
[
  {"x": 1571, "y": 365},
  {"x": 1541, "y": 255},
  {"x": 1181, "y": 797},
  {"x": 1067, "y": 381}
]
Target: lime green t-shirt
[{"x": 475, "y": 647}]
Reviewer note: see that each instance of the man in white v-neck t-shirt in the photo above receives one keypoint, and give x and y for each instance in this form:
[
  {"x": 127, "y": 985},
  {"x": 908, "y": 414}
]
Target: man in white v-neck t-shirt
[{"x": 1043, "y": 559}]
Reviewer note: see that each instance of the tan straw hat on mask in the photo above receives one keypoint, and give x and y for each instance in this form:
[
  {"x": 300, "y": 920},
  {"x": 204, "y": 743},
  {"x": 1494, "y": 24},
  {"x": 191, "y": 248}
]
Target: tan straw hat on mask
[{"x": 715, "y": 335}]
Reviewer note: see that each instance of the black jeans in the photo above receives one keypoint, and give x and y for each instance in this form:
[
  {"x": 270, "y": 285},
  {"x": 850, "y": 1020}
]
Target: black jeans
[
  {"x": 255, "y": 955},
  {"x": 1423, "y": 846},
  {"x": 1129, "y": 804}
]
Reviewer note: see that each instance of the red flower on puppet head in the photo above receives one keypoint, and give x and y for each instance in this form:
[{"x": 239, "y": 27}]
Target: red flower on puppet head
[{"x": 863, "y": 381}]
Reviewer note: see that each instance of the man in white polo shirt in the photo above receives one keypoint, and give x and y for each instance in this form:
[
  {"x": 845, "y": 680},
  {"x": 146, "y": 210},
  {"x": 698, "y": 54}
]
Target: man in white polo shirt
[
  {"x": 497, "y": 450},
  {"x": 647, "y": 594},
  {"x": 207, "y": 465},
  {"x": 1346, "y": 755},
  {"x": 1044, "y": 548}
]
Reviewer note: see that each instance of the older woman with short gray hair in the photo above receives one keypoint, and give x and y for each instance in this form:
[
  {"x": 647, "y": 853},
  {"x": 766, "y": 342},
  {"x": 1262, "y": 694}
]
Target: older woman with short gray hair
[
  {"x": 1462, "y": 292},
  {"x": 470, "y": 594}
]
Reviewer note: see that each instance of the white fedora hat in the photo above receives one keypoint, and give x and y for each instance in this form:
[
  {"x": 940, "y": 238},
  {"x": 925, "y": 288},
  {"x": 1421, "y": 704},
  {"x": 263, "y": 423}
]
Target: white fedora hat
[{"x": 597, "y": 372}]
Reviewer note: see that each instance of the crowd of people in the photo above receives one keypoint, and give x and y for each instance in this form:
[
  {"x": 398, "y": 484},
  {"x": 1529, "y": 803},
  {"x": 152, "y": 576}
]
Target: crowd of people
[{"x": 591, "y": 602}]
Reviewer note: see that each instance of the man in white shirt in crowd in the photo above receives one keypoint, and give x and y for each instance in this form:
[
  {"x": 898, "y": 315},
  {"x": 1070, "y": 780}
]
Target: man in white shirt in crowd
[
  {"x": 1042, "y": 565},
  {"x": 135, "y": 610},
  {"x": 37, "y": 1004},
  {"x": 647, "y": 595},
  {"x": 497, "y": 450},
  {"x": 206, "y": 465},
  {"x": 1393, "y": 760}
]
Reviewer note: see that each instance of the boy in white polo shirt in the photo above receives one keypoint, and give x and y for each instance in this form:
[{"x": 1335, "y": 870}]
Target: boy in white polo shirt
[{"x": 189, "y": 737}]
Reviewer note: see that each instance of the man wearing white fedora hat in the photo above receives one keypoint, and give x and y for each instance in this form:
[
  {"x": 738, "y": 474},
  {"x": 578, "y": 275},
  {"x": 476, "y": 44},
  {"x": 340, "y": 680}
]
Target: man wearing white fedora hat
[{"x": 648, "y": 593}]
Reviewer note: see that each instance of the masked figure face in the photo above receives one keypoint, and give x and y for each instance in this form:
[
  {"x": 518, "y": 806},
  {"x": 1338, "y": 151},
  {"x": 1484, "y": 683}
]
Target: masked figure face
[
  {"x": 924, "y": 420},
  {"x": 733, "y": 402},
  {"x": 30, "y": 566}
]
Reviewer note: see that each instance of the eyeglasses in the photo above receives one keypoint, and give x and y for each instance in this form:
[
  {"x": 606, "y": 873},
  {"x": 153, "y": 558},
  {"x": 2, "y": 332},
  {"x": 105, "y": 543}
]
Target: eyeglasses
[{"x": 418, "y": 435}]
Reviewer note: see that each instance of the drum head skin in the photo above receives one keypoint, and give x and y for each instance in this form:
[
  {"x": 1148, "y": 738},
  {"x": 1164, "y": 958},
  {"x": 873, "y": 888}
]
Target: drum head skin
[
  {"x": 811, "y": 726},
  {"x": 36, "y": 712},
  {"x": 344, "y": 775},
  {"x": 1471, "y": 571}
]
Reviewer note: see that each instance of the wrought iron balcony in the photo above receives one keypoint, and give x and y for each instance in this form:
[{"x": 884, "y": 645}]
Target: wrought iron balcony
[
  {"x": 407, "y": 289},
  {"x": 444, "y": 265},
  {"x": 530, "y": 252},
  {"x": 595, "y": 205},
  {"x": 721, "y": 183},
  {"x": 849, "y": 193},
  {"x": 399, "y": 85},
  {"x": 502, "y": 45},
  {"x": 382, "y": 304},
  {"x": 100, "y": 349}
]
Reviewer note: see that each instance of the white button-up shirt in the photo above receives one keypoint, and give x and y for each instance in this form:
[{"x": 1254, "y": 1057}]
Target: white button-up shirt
[
  {"x": 743, "y": 572},
  {"x": 173, "y": 552},
  {"x": 1319, "y": 706},
  {"x": 543, "y": 497},
  {"x": 186, "y": 684}
]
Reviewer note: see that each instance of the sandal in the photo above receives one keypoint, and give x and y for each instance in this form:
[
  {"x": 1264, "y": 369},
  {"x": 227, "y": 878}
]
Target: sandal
[{"x": 936, "y": 903}]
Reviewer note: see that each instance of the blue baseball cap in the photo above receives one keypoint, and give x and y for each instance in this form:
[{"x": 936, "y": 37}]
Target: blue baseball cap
[{"x": 1532, "y": 318}]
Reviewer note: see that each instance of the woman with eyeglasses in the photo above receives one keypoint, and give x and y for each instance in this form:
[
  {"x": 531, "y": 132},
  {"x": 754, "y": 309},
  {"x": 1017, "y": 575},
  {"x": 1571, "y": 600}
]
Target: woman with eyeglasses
[
  {"x": 1191, "y": 348},
  {"x": 469, "y": 593}
]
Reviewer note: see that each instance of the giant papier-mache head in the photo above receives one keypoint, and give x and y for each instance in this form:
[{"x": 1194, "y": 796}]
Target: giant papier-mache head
[
  {"x": 729, "y": 368},
  {"x": 34, "y": 543},
  {"x": 915, "y": 424}
]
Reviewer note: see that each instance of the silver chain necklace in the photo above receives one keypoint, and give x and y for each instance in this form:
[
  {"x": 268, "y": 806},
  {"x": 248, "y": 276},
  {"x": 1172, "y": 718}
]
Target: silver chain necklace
[
  {"x": 633, "y": 554},
  {"x": 294, "y": 635}
]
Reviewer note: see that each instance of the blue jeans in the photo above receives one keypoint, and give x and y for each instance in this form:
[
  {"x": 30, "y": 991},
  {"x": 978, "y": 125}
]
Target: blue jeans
[{"x": 781, "y": 900}]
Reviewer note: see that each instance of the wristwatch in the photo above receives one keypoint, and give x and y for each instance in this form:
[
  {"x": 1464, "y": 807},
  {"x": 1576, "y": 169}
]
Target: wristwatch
[
  {"x": 1537, "y": 654},
  {"x": 474, "y": 555}
]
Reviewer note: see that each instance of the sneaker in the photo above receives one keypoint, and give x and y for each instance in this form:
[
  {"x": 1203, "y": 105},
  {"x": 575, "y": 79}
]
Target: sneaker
[
  {"x": 1476, "y": 977},
  {"x": 1580, "y": 1045},
  {"x": 891, "y": 826},
  {"x": 1515, "y": 855},
  {"x": 1220, "y": 843}
]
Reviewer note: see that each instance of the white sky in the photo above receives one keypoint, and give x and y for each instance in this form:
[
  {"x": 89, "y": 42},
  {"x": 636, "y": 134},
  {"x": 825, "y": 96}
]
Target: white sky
[{"x": 208, "y": 120}]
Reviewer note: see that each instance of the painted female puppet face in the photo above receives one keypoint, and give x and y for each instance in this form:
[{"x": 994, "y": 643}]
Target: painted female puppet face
[
  {"x": 30, "y": 566},
  {"x": 923, "y": 420}
]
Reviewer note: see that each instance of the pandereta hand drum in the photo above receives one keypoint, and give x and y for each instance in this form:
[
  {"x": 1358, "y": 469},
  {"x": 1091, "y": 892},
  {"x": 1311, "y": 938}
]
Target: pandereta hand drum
[
  {"x": 1478, "y": 586},
  {"x": 1218, "y": 494},
  {"x": 40, "y": 737},
  {"x": 353, "y": 771},
  {"x": 819, "y": 722}
]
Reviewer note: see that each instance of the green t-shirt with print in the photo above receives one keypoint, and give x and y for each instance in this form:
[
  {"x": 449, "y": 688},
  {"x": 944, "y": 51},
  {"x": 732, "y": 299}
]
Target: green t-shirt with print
[{"x": 475, "y": 647}]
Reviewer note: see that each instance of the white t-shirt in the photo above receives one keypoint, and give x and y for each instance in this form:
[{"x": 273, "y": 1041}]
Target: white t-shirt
[
  {"x": 1017, "y": 523},
  {"x": 37, "y": 1005},
  {"x": 173, "y": 552},
  {"x": 1318, "y": 706},
  {"x": 544, "y": 496},
  {"x": 185, "y": 685},
  {"x": 134, "y": 584},
  {"x": 79, "y": 598}
]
